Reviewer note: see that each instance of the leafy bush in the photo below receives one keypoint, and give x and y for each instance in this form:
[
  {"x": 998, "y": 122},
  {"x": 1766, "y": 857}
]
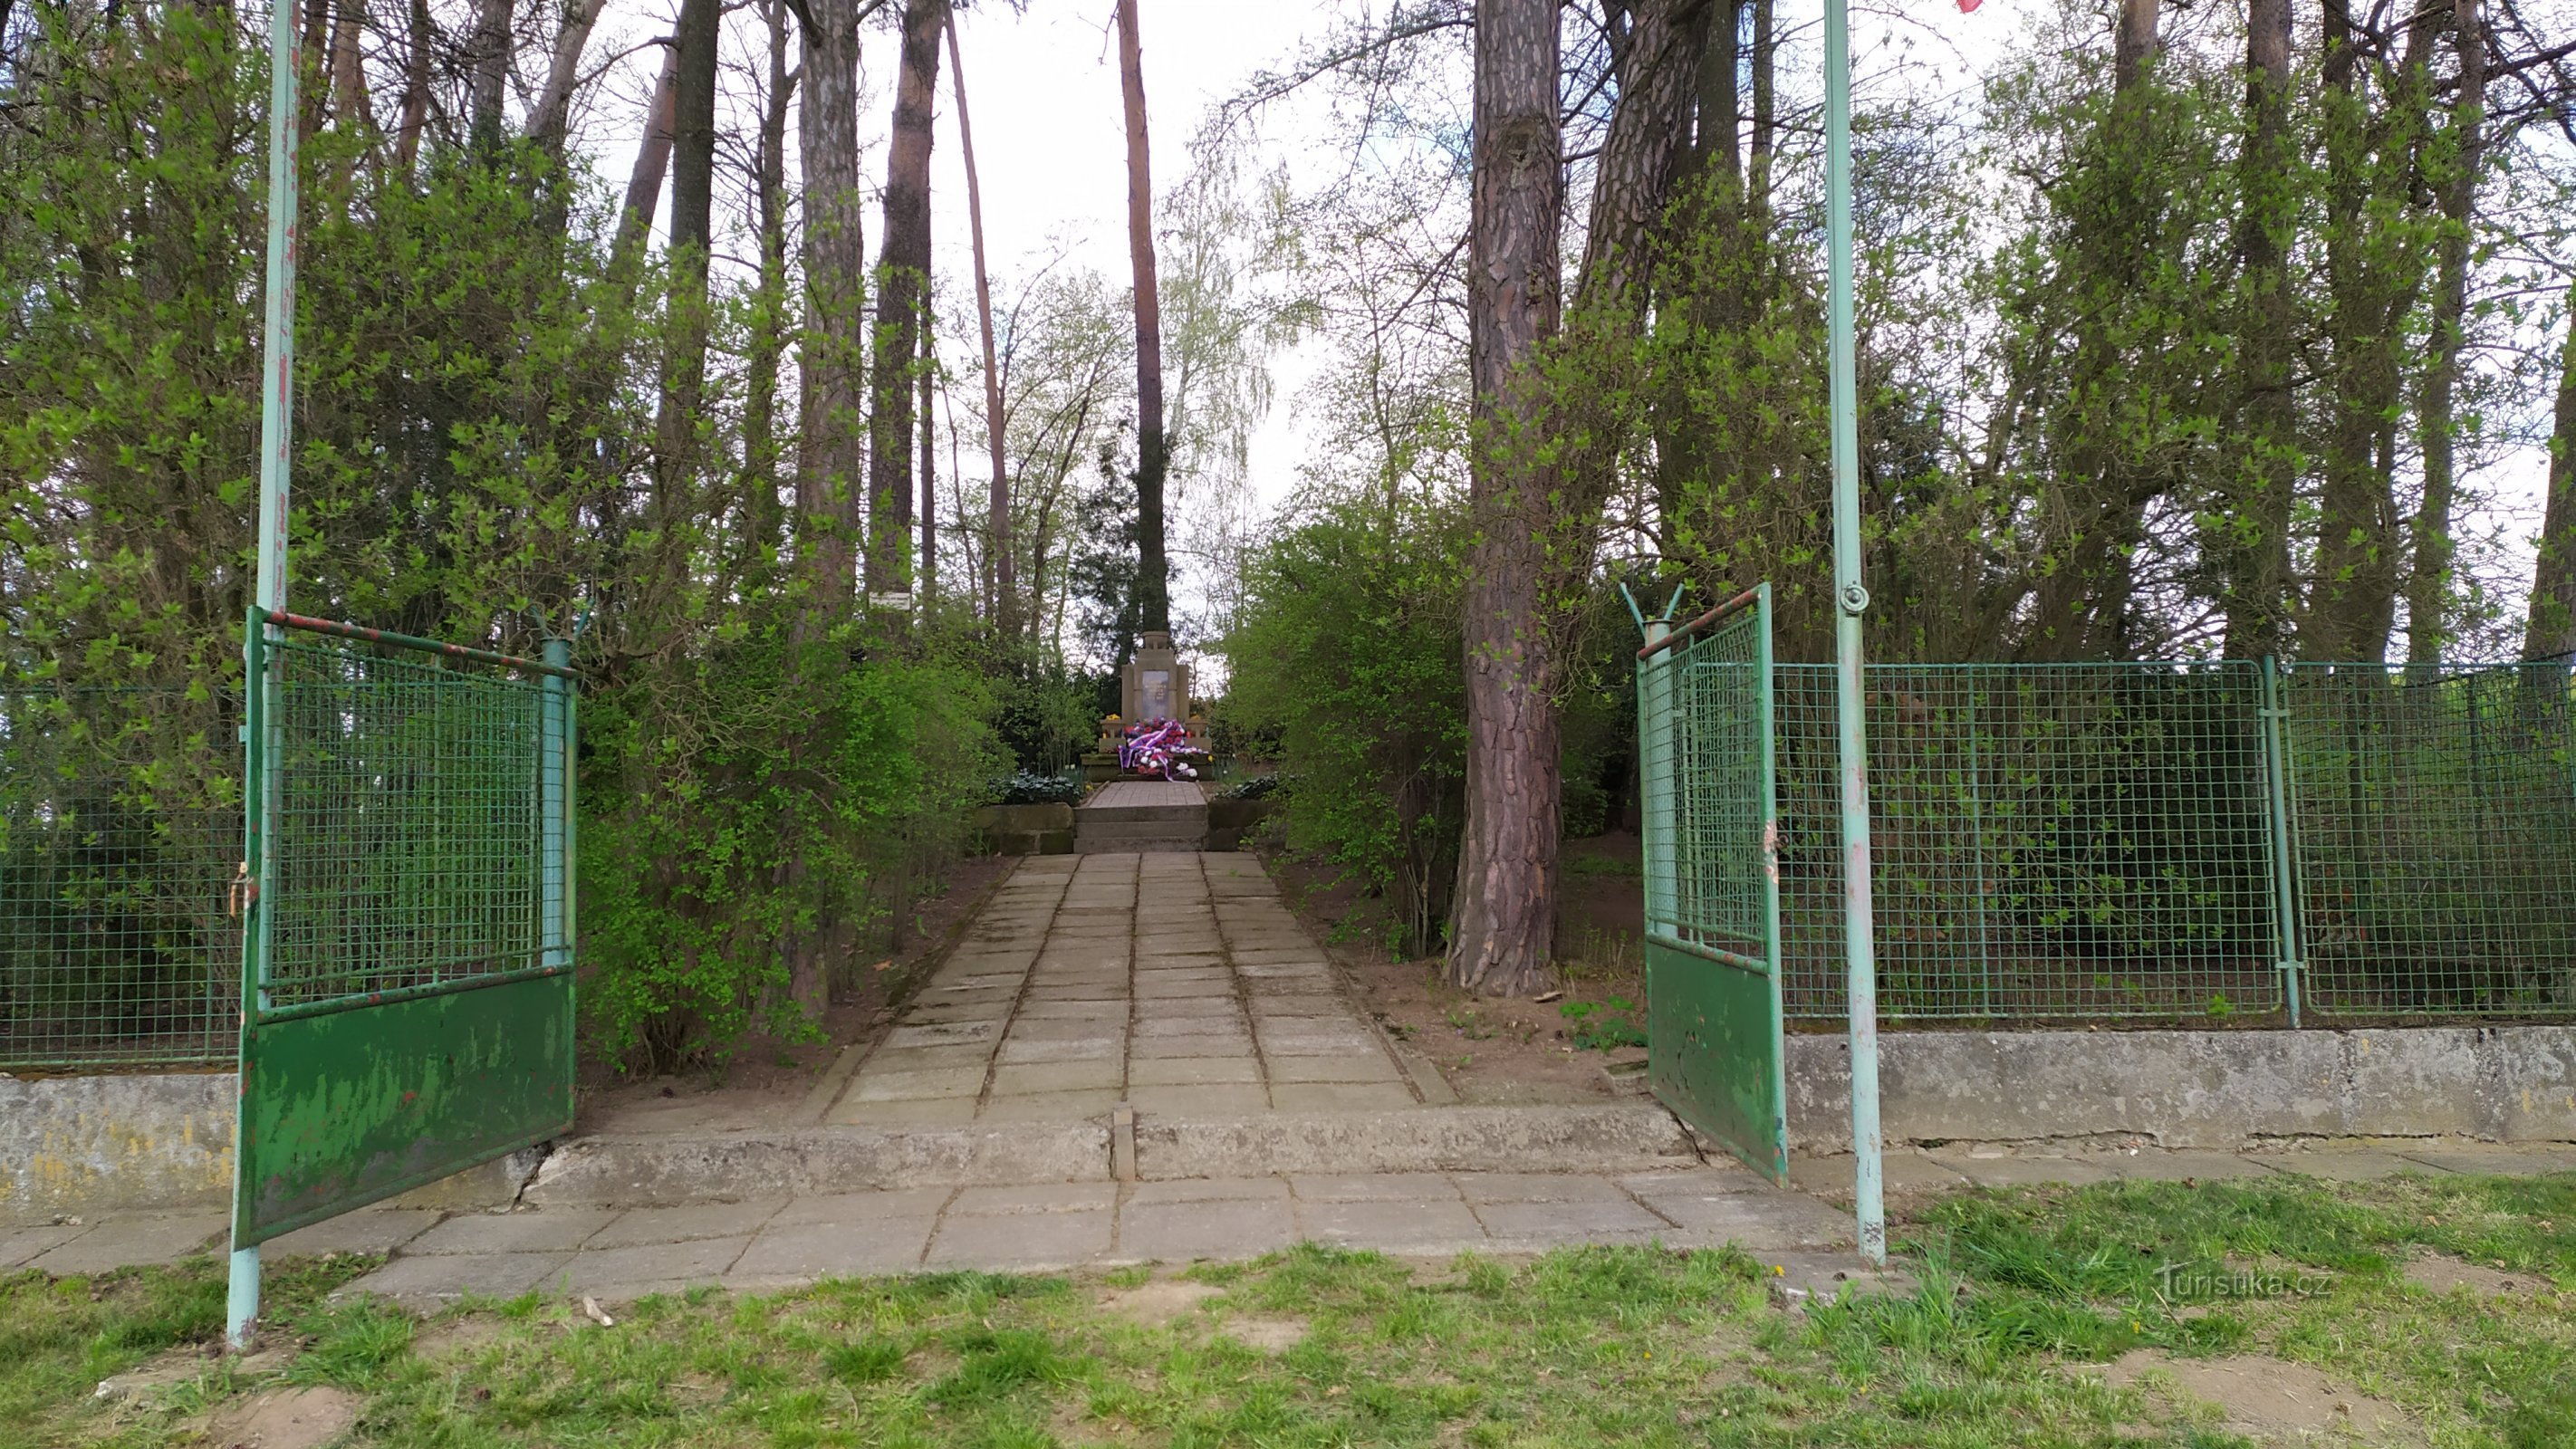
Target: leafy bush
[
  {"x": 1600, "y": 1026},
  {"x": 1346, "y": 646},
  {"x": 1258, "y": 787}
]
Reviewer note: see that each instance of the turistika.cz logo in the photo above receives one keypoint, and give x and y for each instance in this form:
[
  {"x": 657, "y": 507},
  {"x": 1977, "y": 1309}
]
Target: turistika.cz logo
[{"x": 2204, "y": 1282}]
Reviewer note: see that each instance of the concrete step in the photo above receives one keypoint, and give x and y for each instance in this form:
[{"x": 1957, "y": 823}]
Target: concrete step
[
  {"x": 1137, "y": 829},
  {"x": 1132, "y": 814},
  {"x": 1152, "y": 845},
  {"x": 643, "y": 1170}
]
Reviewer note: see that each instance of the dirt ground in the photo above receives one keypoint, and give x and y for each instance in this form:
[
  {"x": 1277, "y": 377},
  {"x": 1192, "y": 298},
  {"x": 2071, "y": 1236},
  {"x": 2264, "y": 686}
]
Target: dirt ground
[
  {"x": 1496, "y": 1050},
  {"x": 767, "y": 1077}
]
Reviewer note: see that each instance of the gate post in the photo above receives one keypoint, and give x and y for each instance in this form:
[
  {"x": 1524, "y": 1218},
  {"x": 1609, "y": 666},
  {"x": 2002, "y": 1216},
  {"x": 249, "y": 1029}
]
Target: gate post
[
  {"x": 557, "y": 756},
  {"x": 2275, "y": 716}
]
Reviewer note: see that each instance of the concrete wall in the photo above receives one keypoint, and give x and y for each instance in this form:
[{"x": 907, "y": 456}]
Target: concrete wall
[
  {"x": 158, "y": 1141},
  {"x": 2214, "y": 1089},
  {"x": 80, "y": 1144}
]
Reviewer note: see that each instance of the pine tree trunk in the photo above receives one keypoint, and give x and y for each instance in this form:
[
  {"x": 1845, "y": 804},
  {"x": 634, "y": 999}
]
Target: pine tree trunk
[
  {"x": 652, "y": 164},
  {"x": 415, "y": 102},
  {"x": 2256, "y": 531},
  {"x": 2551, "y": 630},
  {"x": 1001, "y": 584},
  {"x": 2428, "y": 591},
  {"x": 693, "y": 181},
  {"x": 1757, "y": 166},
  {"x": 769, "y": 315},
  {"x": 1506, "y": 898},
  {"x": 554, "y": 104},
  {"x": 903, "y": 289},
  {"x": 830, "y": 439},
  {"x": 488, "y": 70},
  {"x": 1153, "y": 449}
]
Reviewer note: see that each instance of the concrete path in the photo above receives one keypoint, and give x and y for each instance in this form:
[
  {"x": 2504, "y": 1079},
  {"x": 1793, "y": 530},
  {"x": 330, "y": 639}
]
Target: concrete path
[{"x": 1177, "y": 983}]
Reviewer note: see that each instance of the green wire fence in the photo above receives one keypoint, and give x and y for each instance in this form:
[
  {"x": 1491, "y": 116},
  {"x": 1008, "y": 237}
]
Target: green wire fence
[{"x": 120, "y": 831}]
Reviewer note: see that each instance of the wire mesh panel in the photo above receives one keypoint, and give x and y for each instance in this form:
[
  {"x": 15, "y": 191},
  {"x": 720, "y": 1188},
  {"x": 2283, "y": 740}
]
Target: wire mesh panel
[
  {"x": 1714, "y": 1049},
  {"x": 2050, "y": 842},
  {"x": 120, "y": 829},
  {"x": 2435, "y": 821},
  {"x": 407, "y": 1001},
  {"x": 409, "y": 842}
]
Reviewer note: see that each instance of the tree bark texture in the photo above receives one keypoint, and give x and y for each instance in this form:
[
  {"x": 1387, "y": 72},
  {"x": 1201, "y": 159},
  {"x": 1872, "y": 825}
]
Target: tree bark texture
[
  {"x": 1716, "y": 144},
  {"x": 415, "y": 99},
  {"x": 1757, "y": 161},
  {"x": 693, "y": 191},
  {"x": 769, "y": 313},
  {"x": 2254, "y": 524},
  {"x": 2551, "y": 630},
  {"x": 832, "y": 436},
  {"x": 2428, "y": 622},
  {"x": 1641, "y": 158},
  {"x": 2133, "y": 42},
  {"x": 1153, "y": 449},
  {"x": 929, "y": 475},
  {"x": 903, "y": 292},
  {"x": 652, "y": 164},
  {"x": 1506, "y": 895},
  {"x": 1001, "y": 583},
  {"x": 488, "y": 71},
  {"x": 553, "y": 110}
]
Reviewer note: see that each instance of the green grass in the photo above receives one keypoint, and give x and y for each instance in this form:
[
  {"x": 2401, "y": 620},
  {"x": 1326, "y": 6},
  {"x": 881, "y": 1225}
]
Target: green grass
[{"x": 1586, "y": 1347}]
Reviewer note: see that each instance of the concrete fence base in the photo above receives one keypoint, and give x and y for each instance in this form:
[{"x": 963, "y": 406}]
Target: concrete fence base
[{"x": 2199, "y": 1089}]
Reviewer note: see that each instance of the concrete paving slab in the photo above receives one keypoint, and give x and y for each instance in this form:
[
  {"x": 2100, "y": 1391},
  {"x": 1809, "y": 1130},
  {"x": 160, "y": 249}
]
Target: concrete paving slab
[
  {"x": 1900, "y": 1173},
  {"x": 1158, "y": 986},
  {"x": 1339, "y": 1096},
  {"x": 1227, "y": 1022},
  {"x": 883, "y": 1086},
  {"x": 1208, "y": 1189},
  {"x": 1374, "y": 1187},
  {"x": 2019, "y": 1171},
  {"x": 1028, "y": 1244},
  {"x": 17, "y": 1245},
  {"x": 627, "y": 1273},
  {"x": 132, "y": 1242},
  {"x": 1238, "y": 1044},
  {"x": 1111, "y": 1009},
  {"x": 639, "y": 1227},
  {"x": 1075, "y": 1076},
  {"x": 447, "y": 1277},
  {"x": 788, "y": 1254},
  {"x": 2516, "y": 1160},
  {"x": 1757, "y": 1221},
  {"x": 369, "y": 1230},
  {"x": 1027, "y": 1030},
  {"x": 1232, "y": 1228},
  {"x": 1412, "y": 1226},
  {"x": 920, "y": 1112},
  {"x": 1205, "y": 1099},
  {"x": 1193, "y": 1071},
  {"x": 929, "y": 1059},
  {"x": 552, "y": 1231},
  {"x": 944, "y": 1035},
  {"x": 1540, "y": 1225},
  {"x": 1048, "y": 1107},
  {"x": 1042, "y": 1197},
  {"x": 2153, "y": 1165},
  {"x": 1482, "y": 1188},
  {"x": 1017, "y": 1053},
  {"x": 861, "y": 1210},
  {"x": 1106, "y": 989},
  {"x": 2345, "y": 1164},
  {"x": 1373, "y": 1067}
]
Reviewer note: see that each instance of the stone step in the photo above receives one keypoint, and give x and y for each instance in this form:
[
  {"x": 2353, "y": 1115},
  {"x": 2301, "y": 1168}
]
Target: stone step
[
  {"x": 1130, "y": 814},
  {"x": 1158, "y": 845},
  {"x": 1122, "y": 829}
]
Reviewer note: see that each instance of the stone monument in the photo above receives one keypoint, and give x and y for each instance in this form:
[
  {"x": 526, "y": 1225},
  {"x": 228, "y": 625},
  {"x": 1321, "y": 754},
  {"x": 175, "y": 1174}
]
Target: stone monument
[{"x": 1157, "y": 683}]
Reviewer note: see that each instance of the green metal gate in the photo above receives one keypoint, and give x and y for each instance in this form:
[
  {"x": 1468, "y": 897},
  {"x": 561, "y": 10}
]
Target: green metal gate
[
  {"x": 407, "y": 975},
  {"x": 1714, "y": 1034}
]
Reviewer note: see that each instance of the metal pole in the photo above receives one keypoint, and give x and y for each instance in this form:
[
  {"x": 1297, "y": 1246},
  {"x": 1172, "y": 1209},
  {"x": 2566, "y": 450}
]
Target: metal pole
[
  {"x": 2285, "y": 897},
  {"x": 1859, "y": 948},
  {"x": 277, "y": 366}
]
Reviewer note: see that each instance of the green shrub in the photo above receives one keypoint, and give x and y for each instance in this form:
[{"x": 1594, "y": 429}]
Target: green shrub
[{"x": 1028, "y": 787}]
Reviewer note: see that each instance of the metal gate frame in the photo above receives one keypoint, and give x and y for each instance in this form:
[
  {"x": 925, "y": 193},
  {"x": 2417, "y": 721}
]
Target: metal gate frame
[
  {"x": 418, "y": 1018},
  {"x": 1716, "y": 1040}
]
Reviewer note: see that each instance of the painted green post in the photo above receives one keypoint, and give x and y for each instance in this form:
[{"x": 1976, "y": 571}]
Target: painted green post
[
  {"x": 276, "y": 434},
  {"x": 1860, "y": 949},
  {"x": 1655, "y": 730},
  {"x": 2285, "y": 894},
  {"x": 557, "y": 758}
]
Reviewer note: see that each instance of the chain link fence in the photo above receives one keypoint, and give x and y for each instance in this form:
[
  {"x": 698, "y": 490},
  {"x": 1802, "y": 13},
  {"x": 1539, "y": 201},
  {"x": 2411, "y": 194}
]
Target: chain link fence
[
  {"x": 2209, "y": 844},
  {"x": 120, "y": 834}
]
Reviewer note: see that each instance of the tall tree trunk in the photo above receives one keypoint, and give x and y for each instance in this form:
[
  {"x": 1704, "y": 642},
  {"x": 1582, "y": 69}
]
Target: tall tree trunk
[
  {"x": 903, "y": 291},
  {"x": 929, "y": 475},
  {"x": 2551, "y": 629},
  {"x": 2133, "y": 42},
  {"x": 415, "y": 101},
  {"x": 1716, "y": 140},
  {"x": 348, "y": 70},
  {"x": 1153, "y": 449},
  {"x": 313, "y": 94},
  {"x": 652, "y": 164},
  {"x": 2428, "y": 592},
  {"x": 769, "y": 314},
  {"x": 693, "y": 180},
  {"x": 554, "y": 104},
  {"x": 831, "y": 440},
  {"x": 1757, "y": 167},
  {"x": 488, "y": 71},
  {"x": 1506, "y": 900},
  {"x": 2255, "y": 528},
  {"x": 1001, "y": 584}
]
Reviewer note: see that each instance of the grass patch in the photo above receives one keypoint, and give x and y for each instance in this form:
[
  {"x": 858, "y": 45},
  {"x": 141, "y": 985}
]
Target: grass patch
[{"x": 1612, "y": 1345}]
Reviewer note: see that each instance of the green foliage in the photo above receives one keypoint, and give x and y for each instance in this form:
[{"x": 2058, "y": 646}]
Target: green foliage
[
  {"x": 1600, "y": 1026},
  {"x": 1027, "y": 787},
  {"x": 1346, "y": 644}
]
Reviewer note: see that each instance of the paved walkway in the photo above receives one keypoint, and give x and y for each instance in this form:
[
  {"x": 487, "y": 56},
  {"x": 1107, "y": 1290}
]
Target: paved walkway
[{"x": 1177, "y": 983}]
